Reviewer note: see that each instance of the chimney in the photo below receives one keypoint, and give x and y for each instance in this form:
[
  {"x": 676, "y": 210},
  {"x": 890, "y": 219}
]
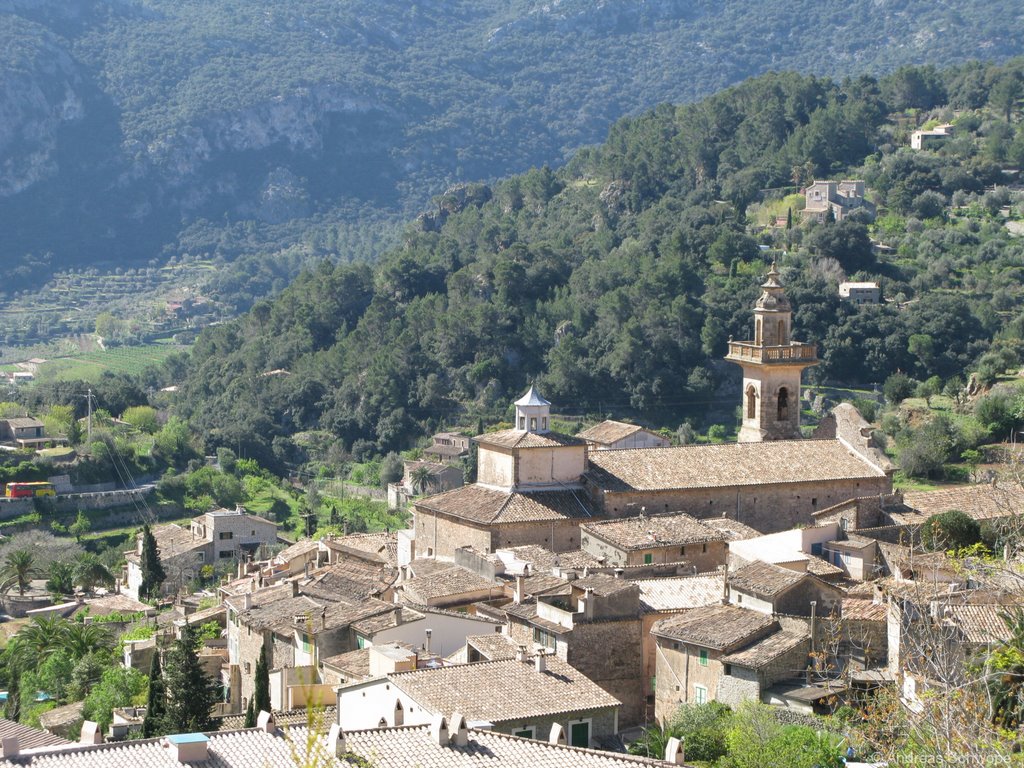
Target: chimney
[
  {"x": 265, "y": 722},
  {"x": 323, "y": 618},
  {"x": 725, "y": 585},
  {"x": 91, "y": 733},
  {"x": 521, "y": 653},
  {"x": 439, "y": 730},
  {"x": 557, "y": 735},
  {"x": 540, "y": 661},
  {"x": 517, "y": 597},
  {"x": 305, "y": 570},
  {"x": 588, "y": 602},
  {"x": 619, "y": 572},
  {"x": 189, "y": 747},
  {"x": 336, "y": 741},
  {"x": 459, "y": 730},
  {"x": 426, "y": 643},
  {"x": 241, "y": 569},
  {"x": 674, "y": 751},
  {"x": 295, "y": 588},
  {"x": 247, "y": 601},
  {"x": 9, "y": 747}
]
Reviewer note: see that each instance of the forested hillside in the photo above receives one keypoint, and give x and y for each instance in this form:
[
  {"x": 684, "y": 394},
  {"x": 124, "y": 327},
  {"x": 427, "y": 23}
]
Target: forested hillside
[
  {"x": 134, "y": 131},
  {"x": 617, "y": 280}
]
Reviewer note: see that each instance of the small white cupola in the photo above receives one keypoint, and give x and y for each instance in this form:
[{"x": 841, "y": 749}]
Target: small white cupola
[{"x": 532, "y": 412}]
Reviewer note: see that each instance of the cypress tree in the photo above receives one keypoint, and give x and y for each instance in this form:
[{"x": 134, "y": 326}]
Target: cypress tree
[
  {"x": 190, "y": 692},
  {"x": 250, "y": 715},
  {"x": 156, "y": 704},
  {"x": 152, "y": 571},
  {"x": 261, "y": 692}
]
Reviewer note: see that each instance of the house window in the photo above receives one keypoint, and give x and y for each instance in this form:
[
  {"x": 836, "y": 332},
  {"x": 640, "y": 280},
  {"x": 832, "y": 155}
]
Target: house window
[
  {"x": 225, "y": 554},
  {"x": 533, "y": 423},
  {"x": 757, "y": 331},
  {"x": 225, "y": 535},
  {"x": 579, "y": 733},
  {"x": 739, "y": 598},
  {"x": 816, "y": 549},
  {"x": 783, "y": 404},
  {"x": 682, "y": 551},
  {"x": 522, "y": 422},
  {"x": 248, "y": 667},
  {"x": 728, "y": 669},
  {"x": 782, "y": 333},
  {"x": 703, "y": 657},
  {"x": 704, "y": 548},
  {"x": 751, "y": 402},
  {"x": 543, "y": 422},
  {"x": 700, "y": 694},
  {"x": 526, "y": 732},
  {"x": 543, "y": 637},
  {"x": 201, "y": 556},
  {"x": 648, "y": 558},
  {"x": 304, "y": 639}
]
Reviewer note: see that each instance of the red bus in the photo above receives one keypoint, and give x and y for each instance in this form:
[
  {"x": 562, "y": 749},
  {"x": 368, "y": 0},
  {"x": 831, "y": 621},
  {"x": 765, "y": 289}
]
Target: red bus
[{"x": 28, "y": 490}]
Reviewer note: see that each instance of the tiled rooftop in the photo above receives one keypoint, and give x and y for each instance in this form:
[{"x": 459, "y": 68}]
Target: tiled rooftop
[
  {"x": 513, "y": 438},
  {"x": 297, "y": 549},
  {"x": 172, "y": 540},
  {"x": 29, "y": 738},
  {"x": 680, "y": 592},
  {"x": 382, "y": 546},
  {"x": 503, "y": 690},
  {"x": 484, "y": 505},
  {"x": 728, "y": 464},
  {"x": 603, "y": 584},
  {"x": 733, "y": 530},
  {"x": 353, "y": 665},
  {"x": 766, "y": 650},
  {"x": 542, "y": 559},
  {"x": 859, "y": 609},
  {"x": 979, "y": 623},
  {"x": 351, "y": 578},
  {"x": 493, "y": 646},
  {"x": 982, "y": 502},
  {"x": 655, "y": 531},
  {"x": 449, "y": 583},
  {"x": 608, "y": 432},
  {"x": 764, "y": 579},
  {"x": 722, "y": 627}
]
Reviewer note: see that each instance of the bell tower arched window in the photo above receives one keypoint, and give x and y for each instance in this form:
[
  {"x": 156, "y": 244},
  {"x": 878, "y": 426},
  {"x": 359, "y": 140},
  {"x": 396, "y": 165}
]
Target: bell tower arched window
[
  {"x": 783, "y": 404},
  {"x": 782, "y": 333},
  {"x": 757, "y": 331},
  {"x": 751, "y": 402}
]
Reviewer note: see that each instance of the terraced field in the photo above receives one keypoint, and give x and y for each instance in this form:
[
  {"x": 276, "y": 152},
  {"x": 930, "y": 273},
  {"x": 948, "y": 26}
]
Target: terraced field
[{"x": 91, "y": 365}]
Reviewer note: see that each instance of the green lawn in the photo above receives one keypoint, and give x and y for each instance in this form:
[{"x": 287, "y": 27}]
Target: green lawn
[{"x": 91, "y": 365}]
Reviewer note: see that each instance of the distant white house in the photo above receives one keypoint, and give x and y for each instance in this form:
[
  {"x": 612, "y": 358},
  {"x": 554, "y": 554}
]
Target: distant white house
[
  {"x": 860, "y": 293},
  {"x": 930, "y": 138}
]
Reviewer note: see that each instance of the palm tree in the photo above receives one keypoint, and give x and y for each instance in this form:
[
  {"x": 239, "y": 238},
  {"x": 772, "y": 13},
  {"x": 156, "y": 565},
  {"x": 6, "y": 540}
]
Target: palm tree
[
  {"x": 81, "y": 639},
  {"x": 90, "y": 571},
  {"x": 18, "y": 569},
  {"x": 421, "y": 478},
  {"x": 38, "y": 639},
  {"x": 62, "y": 578}
]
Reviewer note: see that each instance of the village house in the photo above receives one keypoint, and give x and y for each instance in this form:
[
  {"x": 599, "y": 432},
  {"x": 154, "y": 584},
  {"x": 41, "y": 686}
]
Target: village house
[
  {"x": 860, "y": 293},
  {"x": 216, "y": 537},
  {"x": 27, "y": 432},
  {"x": 447, "y": 447},
  {"x": 643, "y": 540},
  {"x": 523, "y": 696},
  {"x": 616, "y": 435},
  {"x": 770, "y": 589},
  {"x": 438, "y": 477},
  {"x": 931, "y": 138},
  {"x": 724, "y": 653},
  {"x": 592, "y": 623},
  {"x": 840, "y": 197}
]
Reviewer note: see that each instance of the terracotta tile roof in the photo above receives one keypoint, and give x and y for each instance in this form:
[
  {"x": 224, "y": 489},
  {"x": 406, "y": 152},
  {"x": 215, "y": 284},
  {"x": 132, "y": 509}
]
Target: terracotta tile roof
[
  {"x": 608, "y": 432},
  {"x": 287, "y": 717},
  {"x": 982, "y": 502},
  {"x": 503, "y": 690},
  {"x": 679, "y": 592},
  {"x": 374, "y": 624},
  {"x": 858, "y": 609},
  {"x": 823, "y": 569},
  {"x": 29, "y": 738},
  {"x": 733, "y": 530},
  {"x": 764, "y": 579},
  {"x": 604, "y": 585},
  {"x": 542, "y": 584},
  {"x": 728, "y": 464},
  {"x": 513, "y": 438},
  {"x": 197, "y": 617},
  {"x": 852, "y": 541},
  {"x": 542, "y": 559},
  {"x": 350, "y": 578},
  {"x": 353, "y": 665},
  {"x": 486, "y": 506},
  {"x": 380, "y": 546},
  {"x": 644, "y": 532},
  {"x": 766, "y": 650},
  {"x": 116, "y": 603},
  {"x": 980, "y": 624},
  {"x": 439, "y": 449},
  {"x": 172, "y": 540},
  {"x": 449, "y": 583},
  {"x": 281, "y": 615},
  {"x": 493, "y": 646},
  {"x": 721, "y": 627},
  {"x": 297, "y": 549}
]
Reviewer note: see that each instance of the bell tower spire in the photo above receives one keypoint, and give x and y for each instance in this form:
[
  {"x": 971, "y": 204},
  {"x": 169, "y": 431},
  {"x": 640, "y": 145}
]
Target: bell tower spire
[{"x": 772, "y": 365}]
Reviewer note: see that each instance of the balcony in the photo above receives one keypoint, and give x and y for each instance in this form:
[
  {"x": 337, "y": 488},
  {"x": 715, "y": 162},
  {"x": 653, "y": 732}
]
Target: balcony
[{"x": 796, "y": 352}]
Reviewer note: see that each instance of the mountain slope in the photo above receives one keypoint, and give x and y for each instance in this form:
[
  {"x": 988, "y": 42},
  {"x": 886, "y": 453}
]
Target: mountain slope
[{"x": 126, "y": 119}]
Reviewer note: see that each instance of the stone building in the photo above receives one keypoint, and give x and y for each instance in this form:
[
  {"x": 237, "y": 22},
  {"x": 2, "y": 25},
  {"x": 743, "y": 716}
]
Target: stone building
[
  {"x": 841, "y": 198},
  {"x": 723, "y": 653},
  {"x": 769, "y": 588},
  {"x": 618, "y": 435},
  {"x": 593, "y": 624},
  {"x": 772, "y": 365},
  {"x": 643, "y": 540},
  {"x": 522, "y": 696}
]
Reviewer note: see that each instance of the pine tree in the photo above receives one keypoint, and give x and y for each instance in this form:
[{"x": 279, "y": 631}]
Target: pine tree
[
  {"x": 261, "y": 691},
  {"x": 190, "y": 692},
  {"x": 152, "y": 571},
  {"x": 156, "y": 704}
]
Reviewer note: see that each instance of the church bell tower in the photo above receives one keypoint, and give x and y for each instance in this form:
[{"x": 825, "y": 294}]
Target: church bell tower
[{"x": 772, "y": 364}]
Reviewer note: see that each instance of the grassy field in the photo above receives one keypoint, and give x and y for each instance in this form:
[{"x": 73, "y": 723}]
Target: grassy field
[{"x": 91, "y": 365}]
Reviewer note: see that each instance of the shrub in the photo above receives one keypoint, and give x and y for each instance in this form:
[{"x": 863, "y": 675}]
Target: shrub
[{"x": 950, "y": 530}]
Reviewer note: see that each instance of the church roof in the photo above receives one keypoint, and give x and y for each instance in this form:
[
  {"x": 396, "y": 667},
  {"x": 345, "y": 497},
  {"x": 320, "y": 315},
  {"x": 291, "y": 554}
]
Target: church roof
[
  {"x": 727, "y": 465},
  {"x": 608, "y": 432},
  {"x": 533, "y": 397},
  {"x": 478, "y": 504},
  {"x": 514, "y": 438}
]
